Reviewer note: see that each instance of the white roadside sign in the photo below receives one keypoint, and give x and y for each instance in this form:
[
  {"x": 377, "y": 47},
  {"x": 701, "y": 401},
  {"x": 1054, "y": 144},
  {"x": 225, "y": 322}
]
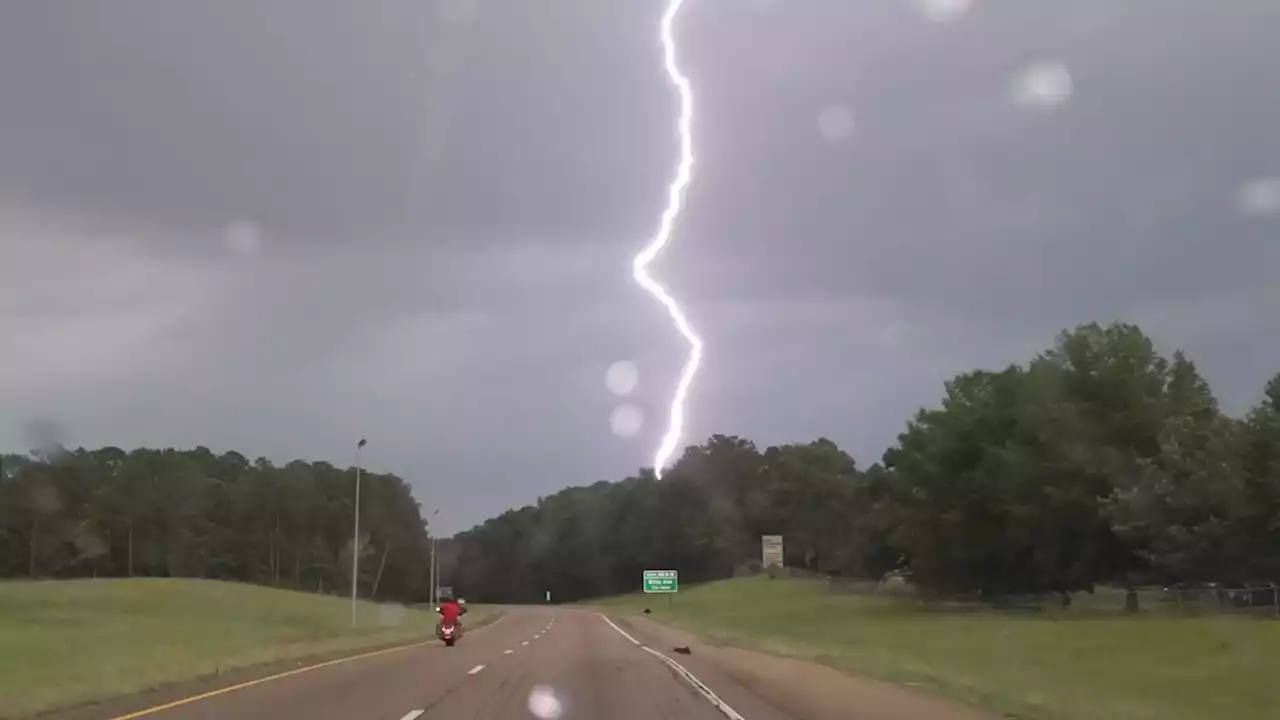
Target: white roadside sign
[{"x": 771, "y": 550}]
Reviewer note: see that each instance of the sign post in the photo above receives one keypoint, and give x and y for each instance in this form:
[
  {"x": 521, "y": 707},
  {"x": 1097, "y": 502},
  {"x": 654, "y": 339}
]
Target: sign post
[
  {"x": 662, "y": 582},
  {"x": 771, "y": 551}
]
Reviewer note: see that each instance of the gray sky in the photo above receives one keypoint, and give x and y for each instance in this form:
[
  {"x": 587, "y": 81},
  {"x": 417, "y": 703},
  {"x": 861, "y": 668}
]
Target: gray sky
[{"x": 280, "y": 225}]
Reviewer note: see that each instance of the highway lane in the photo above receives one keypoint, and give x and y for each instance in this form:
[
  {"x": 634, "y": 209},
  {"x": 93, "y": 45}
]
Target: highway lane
[
  {"x": 371, "y": 687},
  {"x": 556, "y": 664},
  {"x": 580, "y": 668}
]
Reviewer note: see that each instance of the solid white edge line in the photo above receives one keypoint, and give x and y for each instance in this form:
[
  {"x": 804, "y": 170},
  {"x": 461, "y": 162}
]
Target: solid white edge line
[
  {"x": 697, "y": 684},
  {"x": 681, "y": 670},
  {"x": 475, "y": 670},
  {"x": 621, "y": 632},
  {"x": 412, "y": 714}
]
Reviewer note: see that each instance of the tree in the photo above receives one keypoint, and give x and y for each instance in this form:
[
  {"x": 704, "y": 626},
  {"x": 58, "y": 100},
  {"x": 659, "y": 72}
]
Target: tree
[
  {"x": 1181, "y": 509},
  {"x": 986, "y": 501},
  {"x": 810, "y": 491},
  {"x": 1098, "y": 461},
  {"x": 1259, "y": 447},
  {"x": 196, "y": 514}
]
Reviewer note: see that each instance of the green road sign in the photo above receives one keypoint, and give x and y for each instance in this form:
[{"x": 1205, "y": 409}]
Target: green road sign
[{"x": 661, "y": 581}]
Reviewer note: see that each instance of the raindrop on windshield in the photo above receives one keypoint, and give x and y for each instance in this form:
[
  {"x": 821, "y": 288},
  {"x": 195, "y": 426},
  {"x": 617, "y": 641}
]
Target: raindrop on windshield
[
  {"x": 243, "y": 239},
  {"x": 836, "y": 123},
  {"x": 1044, "y": 84},
  {"x": 621, "y": 377},
  {"x": 626, "y": 420},
  {"x": 943, "y": 10}
]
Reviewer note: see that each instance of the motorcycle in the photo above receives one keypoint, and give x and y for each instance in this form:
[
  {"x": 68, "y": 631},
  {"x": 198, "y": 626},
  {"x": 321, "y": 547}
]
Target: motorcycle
[
  {"x": 451, "y": 631},
  {"x": 449, "y": 634}
]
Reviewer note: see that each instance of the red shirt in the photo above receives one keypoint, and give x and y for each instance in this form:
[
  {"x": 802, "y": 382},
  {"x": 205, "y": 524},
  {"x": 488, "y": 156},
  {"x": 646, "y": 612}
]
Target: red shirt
[{"x": 450, "y": 612}]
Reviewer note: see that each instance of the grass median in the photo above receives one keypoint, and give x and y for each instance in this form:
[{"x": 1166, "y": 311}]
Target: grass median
[
  {"x": 64, "y": 643},
  {"x": 1072, "y": 665}
]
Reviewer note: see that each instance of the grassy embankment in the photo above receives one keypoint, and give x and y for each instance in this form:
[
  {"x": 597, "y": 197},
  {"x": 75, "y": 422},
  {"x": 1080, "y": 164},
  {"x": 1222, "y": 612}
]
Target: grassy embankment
[
  {"x": 68, "y": 642},
  {"x": 1078, "y": 664}
]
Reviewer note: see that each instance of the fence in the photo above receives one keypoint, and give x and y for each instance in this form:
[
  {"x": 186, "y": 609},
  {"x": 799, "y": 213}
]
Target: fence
[{"x": 1257, "y": 599}]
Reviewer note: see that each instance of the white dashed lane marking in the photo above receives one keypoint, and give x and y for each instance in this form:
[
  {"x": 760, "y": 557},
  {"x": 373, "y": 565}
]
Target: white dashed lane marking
[{"x": 415, "y": 714}]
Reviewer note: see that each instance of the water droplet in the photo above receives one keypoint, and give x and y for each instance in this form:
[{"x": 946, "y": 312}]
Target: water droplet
[
  {"x": 894, "y": 334},
  {"x": 459, "y": 11},
  {"x": 1259, "y": 197},
  {"x": 836, "y": 122},
  {"x": 544, "y": 704},
  {"x": 943, "y": 10},
  {"x": 243, "y": 238},
  {"x": 621, "y": 377},
  {"x": 1044, "y": 84},
  {"x": 626, "y": 420}
]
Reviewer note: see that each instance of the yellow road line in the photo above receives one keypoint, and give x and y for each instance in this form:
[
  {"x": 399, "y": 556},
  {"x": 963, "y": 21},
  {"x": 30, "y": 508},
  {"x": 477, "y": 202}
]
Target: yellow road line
[{"x": 279, "y": 676}]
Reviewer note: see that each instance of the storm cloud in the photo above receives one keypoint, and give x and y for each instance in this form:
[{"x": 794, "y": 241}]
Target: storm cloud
[{"x": 281, "y": 225}]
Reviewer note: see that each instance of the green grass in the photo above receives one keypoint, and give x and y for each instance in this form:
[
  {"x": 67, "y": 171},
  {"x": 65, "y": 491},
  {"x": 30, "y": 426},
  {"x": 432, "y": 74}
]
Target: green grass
[
  {"x": 1073, "y": 665},
  {"x": 67, "y": 642}
]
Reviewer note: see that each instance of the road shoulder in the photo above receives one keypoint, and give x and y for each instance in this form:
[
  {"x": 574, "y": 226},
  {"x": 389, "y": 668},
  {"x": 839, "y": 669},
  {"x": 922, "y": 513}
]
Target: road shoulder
[
  {"x": 123, "y": 705},
  {"x": 801, "y": 689}
]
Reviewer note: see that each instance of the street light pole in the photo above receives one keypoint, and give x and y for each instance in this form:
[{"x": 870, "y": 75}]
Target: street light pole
[
  {"x": 433, "y": 578},
  {"x": 355, "y": 537}
]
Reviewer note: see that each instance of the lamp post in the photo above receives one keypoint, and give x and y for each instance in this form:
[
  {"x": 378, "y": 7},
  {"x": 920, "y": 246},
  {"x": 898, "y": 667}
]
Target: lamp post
[
  {"x": 355, "y": 536},
  {"x": 432, "y": 565}
]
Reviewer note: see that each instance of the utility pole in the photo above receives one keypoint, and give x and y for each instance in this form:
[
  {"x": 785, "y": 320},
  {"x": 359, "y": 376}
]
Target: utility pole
[
  {"x": 355, "y": 537},
  {"x": 434, "y": 578},
  {"x": 431, "y": 575}
]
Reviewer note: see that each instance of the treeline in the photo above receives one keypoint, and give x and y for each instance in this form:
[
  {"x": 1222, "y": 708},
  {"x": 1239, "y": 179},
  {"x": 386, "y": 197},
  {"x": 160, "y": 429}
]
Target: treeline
[
  {"x": 1099, "y": 461},
  {"x": 173, "y": 513}
]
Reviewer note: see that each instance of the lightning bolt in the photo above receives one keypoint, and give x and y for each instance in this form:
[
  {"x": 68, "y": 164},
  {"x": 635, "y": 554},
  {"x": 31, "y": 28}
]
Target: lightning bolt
[{"x": 675, "y": 203}]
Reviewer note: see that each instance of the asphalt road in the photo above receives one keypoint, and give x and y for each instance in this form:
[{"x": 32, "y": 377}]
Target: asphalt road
[{"x": 533, "y": 663}]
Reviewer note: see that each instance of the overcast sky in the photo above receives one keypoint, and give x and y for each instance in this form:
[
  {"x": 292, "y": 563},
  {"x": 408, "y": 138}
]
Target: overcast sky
[{"x": 277, "y": 226}]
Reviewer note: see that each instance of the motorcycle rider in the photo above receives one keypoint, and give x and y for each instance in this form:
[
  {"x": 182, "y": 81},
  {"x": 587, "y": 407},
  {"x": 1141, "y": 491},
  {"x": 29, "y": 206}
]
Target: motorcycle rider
[{"x": 451, "y": 613}]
